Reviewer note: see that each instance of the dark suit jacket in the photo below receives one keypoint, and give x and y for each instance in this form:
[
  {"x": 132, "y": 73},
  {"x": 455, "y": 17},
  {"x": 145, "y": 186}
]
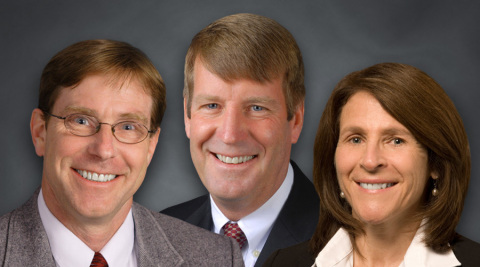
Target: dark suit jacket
[
  {"x": 466, "y": 251},
  {"x": 160, "y": 241},
  {"x": 295, "y": 223}
]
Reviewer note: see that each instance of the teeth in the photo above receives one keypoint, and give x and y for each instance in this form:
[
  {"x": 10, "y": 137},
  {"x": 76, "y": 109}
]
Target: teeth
[
  {"x": 375, "y": 186},
  {"x": 234, "y": 160},
  {"x": 96, "y": 177}
]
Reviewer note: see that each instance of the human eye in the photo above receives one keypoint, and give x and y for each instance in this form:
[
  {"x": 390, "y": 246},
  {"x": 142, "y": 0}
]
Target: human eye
[
  {"x": 209, "y": 108},
  {"x": 397, "y": 141},
  {"x": 128, "y": 126},
  {"x": 212, "y": 106},
  {"x": 81, "y": 120},
  {"x": 130, "y": 131},
  {"x": 355, "y": 140},
  {"x": 257, "y": 108}
]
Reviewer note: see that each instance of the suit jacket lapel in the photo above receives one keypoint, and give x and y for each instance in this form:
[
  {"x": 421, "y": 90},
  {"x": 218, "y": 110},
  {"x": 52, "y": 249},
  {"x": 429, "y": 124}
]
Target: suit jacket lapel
[
  {"x": 202, "y": 217},
  {"x": 297, "y": 219}
]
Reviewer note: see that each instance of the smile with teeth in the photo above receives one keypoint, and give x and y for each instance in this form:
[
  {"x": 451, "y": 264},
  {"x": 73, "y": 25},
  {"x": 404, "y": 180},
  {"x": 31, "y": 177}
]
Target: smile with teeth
[
  {"x": 376, "y": 186},
  {"x": 234, "y": 160},
  {"x": 93, "y": 176}
]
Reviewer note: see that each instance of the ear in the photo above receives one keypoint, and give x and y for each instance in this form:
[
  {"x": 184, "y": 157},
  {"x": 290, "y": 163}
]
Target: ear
[
  {"x": 153, "y": 144},
  {"x": 434, "y": 175},
  {"x": 296, "y": 123},
  {"x": 38, "y": 130},
  {"x": 186, "y": 118}
]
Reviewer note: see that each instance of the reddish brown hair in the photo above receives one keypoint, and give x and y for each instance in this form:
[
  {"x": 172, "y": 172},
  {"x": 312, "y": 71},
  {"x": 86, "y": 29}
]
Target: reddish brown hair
[{"x": 118, "y": 60}]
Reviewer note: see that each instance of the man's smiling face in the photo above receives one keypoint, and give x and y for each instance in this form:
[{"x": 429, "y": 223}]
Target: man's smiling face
[
  {"x": 67, "y": 158},
  {"x": 240, "y": 138}
]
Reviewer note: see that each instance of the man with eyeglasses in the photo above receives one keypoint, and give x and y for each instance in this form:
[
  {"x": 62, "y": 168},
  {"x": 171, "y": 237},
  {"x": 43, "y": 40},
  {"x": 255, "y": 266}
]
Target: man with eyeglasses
[{"x": 96, "y": 126}]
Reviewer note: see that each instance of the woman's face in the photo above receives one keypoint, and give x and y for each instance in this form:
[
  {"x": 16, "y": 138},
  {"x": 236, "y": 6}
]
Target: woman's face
[{"x": 381, "y": 167}]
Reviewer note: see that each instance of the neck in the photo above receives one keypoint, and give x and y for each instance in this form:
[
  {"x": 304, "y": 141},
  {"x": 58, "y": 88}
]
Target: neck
[
  {"x": 95, "y": 232},
  {"x": 384, "y": 245},
  {"x": 236, "y": 210}
]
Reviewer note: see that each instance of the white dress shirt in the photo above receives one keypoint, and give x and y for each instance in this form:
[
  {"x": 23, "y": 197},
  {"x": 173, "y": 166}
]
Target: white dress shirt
[
  {"x": 258, "y": 224},
  {"x": 69, "y": 251},
  {"x": 339, "y": 253}
]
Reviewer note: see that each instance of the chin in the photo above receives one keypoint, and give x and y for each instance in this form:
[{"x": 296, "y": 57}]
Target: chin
[{"x": 371, "y": 218}]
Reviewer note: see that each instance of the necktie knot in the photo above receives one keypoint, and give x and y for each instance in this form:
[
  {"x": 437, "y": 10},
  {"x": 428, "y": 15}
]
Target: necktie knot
[
  {"x": 234, "y": 231},
  {"x": 98, "y": 260}
]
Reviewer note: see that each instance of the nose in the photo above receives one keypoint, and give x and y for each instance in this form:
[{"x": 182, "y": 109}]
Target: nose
[
  {"x": 373, "y": 157},
  {"x": 232, "y": 128},
  {"x": 103, "y": 143}
]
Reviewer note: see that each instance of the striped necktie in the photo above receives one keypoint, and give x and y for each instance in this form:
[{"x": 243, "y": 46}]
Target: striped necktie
[{"x": 98, "y": 261}]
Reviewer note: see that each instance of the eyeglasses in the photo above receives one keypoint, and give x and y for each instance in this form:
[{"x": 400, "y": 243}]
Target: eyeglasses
[{"x": 128, "y": 132}]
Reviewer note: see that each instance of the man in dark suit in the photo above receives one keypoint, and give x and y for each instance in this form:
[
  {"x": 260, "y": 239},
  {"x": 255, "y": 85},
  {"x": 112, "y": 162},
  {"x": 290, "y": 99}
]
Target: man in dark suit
[
  {"x": 243, "y": 108},
  {"x": 97, "y": 125}
]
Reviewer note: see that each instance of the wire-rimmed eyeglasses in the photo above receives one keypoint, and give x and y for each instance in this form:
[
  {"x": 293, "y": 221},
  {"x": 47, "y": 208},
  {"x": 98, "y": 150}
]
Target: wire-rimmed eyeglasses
[{"x": 128, "y": 132}]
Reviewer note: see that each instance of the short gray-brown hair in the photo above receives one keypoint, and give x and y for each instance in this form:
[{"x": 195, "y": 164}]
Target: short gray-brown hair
[{"x": 251, "y": 47}]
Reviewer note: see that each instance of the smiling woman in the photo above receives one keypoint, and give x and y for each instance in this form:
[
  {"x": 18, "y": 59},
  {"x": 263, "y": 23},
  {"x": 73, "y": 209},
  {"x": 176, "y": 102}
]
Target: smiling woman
[
  {"x": 381, "y": 168},
  {"x": 392, "y": 167}
]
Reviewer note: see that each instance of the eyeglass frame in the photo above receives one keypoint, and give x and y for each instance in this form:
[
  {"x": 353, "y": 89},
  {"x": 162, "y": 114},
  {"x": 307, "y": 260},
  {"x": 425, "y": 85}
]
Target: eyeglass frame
[{"x": 112, "y": 126}]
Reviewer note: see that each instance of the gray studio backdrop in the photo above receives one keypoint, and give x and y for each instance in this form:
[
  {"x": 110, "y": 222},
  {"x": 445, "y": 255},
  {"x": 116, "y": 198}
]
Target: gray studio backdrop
[{"x": 336, "y": 37}]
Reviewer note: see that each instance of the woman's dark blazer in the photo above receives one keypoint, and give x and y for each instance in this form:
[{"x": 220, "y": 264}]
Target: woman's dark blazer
[{"x": 466, "y": 251}]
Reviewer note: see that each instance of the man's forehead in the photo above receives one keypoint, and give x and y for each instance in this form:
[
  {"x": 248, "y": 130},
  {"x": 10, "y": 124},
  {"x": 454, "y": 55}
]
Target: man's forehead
[
  {"x": 90, "y": 92},
  {"x": 232, "y": 73}
]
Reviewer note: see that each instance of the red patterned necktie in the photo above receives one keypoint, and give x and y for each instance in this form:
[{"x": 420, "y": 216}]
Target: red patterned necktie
[
  {"x": 98, "y": 261},
  {"x": 233, "y": 230}
]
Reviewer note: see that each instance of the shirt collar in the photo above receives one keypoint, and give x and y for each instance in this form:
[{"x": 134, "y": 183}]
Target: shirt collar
[
  {"x": 118, "y": 251},
  {"x": 418, "y": 254},
  {"x": 338, "y": 252},
  {"x": 258, "y": 224}
]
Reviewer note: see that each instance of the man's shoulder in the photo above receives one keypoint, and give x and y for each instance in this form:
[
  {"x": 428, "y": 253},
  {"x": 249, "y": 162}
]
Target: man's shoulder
[
  {"x": 183, "y": 210},
  {"x": 180, "y": 231},
  {"x": 302, "y": 182},
  {"x": 4, "y": 219},
  {"x": 25, "y": 216},
  {"x": 171, "y": 224},
  {"x": 194, "y": 244},
  {"x": 302, "y": 196},
  {"x": 4, "y": 223},
  {"x": 23, "y": 239}
]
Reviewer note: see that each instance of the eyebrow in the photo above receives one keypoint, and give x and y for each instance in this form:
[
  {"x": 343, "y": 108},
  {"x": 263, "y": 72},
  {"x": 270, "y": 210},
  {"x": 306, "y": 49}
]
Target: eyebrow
[
  {"x": 395, "y": 131},
  {"x": 262, "y": 100},
  {"x": 251, "y": 100},
  {"x": 388, "y": 131},
  {"x": 82, "y": 110},
  {"x": 93, "y": 113},
  {"x": 206, "y": 98},
  {"x": 135, "y": 117}
]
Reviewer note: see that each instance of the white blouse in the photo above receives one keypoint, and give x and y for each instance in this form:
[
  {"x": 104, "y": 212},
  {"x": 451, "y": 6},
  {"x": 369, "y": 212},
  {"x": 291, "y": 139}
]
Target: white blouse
[{"x": 339, "y": 253}]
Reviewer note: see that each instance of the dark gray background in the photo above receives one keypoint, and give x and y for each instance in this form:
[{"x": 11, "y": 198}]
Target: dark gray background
[{"x": 336, "y": 37}]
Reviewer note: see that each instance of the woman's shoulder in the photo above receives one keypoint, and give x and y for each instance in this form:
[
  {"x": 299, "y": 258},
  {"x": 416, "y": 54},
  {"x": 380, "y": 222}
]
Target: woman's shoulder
[
  {"x": 467, "y": 251},
  {"x": 295, "y": 256}
]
